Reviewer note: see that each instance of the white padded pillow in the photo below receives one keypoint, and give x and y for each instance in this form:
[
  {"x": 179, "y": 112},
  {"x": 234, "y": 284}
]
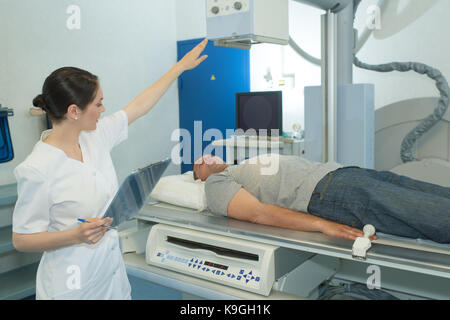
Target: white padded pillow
[{"x": 181, "y": 190}]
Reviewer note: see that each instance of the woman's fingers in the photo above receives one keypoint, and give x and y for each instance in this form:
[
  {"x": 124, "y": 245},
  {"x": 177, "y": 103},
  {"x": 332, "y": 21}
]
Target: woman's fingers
[
  {"x": 93, "y": 230},
  {"x": 107, "y": 221},
  {"x": 96, "y": 237},
  {"x": 89, "y": 232},
  {"x": 191, "y": 59},
  {"x": 94, "y": 222},
  {"x": 201, "y": 59},
  {"x": 202, "y": 45}
]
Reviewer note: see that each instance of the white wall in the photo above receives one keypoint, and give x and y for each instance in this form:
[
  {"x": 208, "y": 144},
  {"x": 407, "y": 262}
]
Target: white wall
[
  {"x": 411, "y": 30},
  {"x": 191, "y": 19},
  {"x": 128, "y": 44}
]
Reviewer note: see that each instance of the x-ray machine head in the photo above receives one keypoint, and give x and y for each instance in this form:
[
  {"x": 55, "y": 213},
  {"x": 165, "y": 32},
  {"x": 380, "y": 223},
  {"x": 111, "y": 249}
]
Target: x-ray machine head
[{"x": 243, "y": 23}]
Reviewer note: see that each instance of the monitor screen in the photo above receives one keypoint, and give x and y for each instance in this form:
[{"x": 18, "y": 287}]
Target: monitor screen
[{"x": 259, "y": 110}]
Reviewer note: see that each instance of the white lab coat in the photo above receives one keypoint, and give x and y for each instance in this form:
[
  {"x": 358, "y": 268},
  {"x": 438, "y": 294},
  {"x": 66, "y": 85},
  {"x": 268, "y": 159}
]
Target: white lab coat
[{"x": 53, "y": 192}]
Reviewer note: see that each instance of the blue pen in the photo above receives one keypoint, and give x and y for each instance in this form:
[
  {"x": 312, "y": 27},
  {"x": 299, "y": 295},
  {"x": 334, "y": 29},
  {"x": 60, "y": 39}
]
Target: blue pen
[{"x": 85, "y": 221}]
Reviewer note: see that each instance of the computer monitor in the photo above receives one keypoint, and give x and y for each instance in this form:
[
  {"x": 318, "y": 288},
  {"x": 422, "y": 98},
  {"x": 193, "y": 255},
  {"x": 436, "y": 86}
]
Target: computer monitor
[{"x": 259, "y": 110}]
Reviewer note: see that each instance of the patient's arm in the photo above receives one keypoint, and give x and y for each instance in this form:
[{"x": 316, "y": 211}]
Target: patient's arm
[{"x": 245, "y": 206}]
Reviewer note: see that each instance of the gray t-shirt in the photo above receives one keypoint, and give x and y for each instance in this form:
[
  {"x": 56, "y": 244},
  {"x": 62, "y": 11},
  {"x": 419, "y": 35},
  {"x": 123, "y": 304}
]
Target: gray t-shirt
[{"x": 285, "y": 181}]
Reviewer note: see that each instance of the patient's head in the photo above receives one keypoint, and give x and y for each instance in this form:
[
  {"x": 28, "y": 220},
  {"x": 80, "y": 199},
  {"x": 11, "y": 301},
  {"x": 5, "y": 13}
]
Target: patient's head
[{"x": 208, "y": 165}]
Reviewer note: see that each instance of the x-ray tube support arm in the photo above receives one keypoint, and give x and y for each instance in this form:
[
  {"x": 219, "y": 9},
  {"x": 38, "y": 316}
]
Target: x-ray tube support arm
[
  {"x": 337, "y": 63},
  {"x": 333, "y": 6}
]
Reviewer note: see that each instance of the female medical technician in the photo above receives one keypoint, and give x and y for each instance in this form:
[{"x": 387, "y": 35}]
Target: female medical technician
[{"x": 70, "y": 175}]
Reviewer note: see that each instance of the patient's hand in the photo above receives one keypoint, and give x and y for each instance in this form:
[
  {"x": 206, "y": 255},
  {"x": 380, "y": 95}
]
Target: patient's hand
[{"x": 338, "y": 230}]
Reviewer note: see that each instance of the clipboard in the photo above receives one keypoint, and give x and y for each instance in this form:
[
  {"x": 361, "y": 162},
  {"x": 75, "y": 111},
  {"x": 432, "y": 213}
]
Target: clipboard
[{"x": 134, "y": 191}]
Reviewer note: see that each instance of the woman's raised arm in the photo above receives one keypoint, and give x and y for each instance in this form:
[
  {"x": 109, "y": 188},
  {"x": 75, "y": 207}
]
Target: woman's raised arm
[{"x": 146, "y": 100}]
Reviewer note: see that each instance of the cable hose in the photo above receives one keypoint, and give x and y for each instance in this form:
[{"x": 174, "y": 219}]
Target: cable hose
[
  {"x": 425, "y": 125},
  {"x": 304, "y": 54},
  {"x": 411, "y": 138}
]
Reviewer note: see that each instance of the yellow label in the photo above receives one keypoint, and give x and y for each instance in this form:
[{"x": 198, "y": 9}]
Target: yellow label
[{"x": 213, "y": 77}]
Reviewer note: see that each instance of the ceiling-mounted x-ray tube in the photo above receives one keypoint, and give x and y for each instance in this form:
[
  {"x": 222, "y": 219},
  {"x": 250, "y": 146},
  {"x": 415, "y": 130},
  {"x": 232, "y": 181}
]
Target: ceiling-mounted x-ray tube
[{"x": 243, "y": 23}]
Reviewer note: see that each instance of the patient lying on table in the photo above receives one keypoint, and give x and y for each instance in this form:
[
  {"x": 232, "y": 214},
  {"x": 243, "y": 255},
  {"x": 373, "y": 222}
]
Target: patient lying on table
[{"x": 294, "y": 193}]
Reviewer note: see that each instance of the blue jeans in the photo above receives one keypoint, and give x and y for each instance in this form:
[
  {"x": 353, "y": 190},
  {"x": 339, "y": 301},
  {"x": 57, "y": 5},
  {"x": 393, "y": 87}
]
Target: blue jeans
[{"x": 393, "y": 204}]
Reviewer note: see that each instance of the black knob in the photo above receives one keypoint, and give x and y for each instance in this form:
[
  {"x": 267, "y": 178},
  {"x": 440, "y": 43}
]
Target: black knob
[{"x": 215, "y": 10}]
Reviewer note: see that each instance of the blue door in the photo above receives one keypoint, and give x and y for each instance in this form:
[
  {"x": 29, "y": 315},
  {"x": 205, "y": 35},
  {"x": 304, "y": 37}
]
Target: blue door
[{"x": 207, "y": 94}]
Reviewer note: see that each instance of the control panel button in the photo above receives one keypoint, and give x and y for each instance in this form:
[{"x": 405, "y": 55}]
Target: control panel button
[{"x": 215, "y": 10}]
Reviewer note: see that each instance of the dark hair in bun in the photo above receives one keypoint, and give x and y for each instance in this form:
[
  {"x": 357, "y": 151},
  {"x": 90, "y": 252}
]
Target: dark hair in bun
[
  {"x": 39, "y": 102},
  {"x": 64, "y": 87}
]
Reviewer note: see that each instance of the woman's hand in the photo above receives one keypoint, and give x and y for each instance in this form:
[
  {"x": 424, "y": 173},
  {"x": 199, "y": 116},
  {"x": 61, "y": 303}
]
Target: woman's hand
[
  {"x": 338, "y": 230},
  {"x": 92, "y": 230},
  {"x": 191, "y": 59}
]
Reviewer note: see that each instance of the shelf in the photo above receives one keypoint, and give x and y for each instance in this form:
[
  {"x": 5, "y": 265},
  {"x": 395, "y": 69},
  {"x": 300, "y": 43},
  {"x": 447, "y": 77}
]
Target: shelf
[
  {"x": 6, "y": 239},
  {"x": 19, "y": 283}
]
